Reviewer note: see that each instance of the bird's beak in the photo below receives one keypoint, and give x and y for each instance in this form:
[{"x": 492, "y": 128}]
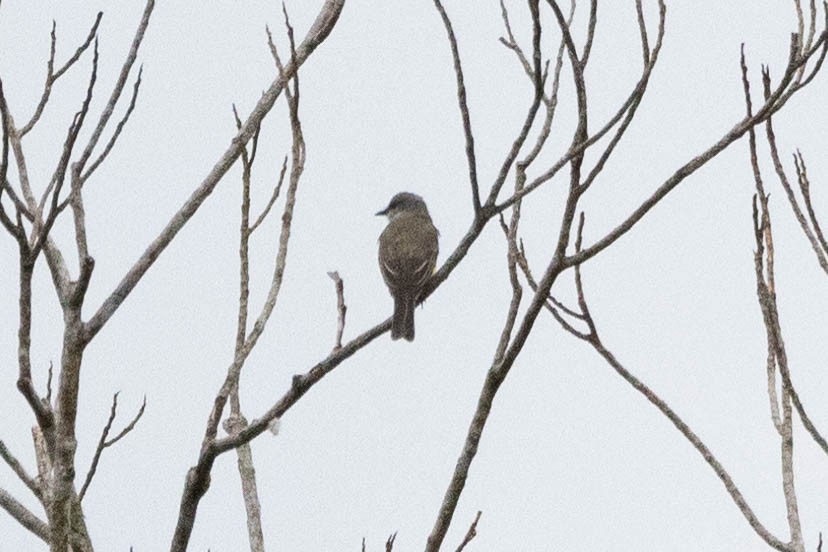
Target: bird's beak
[{"x": 383, "y": 212}]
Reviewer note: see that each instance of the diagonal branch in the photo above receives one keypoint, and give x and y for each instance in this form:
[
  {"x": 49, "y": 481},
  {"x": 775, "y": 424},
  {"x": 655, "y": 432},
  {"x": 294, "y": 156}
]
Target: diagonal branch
[
  {"x": 772, "y": 104},
  {"x": 814, "y": 240},
  {"x": 40, "y": 235},
  {"x": 24, "y": 516},
  {"x": 471, "y": 533},
  {"x": 197, "y": 481},
  {"x": 594, "y": 340},
  {"x": 103, "y": 442},
  {"x": 805, "y": 189},
  {"x": 538, "y": 77},
  {"x": 119, "y": 85},
  {"x": 52, "y": 76},
  {"x": 20, "y": 471},
  {"x": 463, "y": 104},
  {"x": 114, "y": 138},
  {"x": 320, "y": 30}
]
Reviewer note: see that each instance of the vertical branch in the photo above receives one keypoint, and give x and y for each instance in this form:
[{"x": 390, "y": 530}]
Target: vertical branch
[
  {"x": 788, "y": 487},
  {"x": 759, "y": 256},
  {"x": 319, "y": 31},
  {"x": 766, "y": 287},
  {"x": 341, "y": 308},
  {"x": 822, "y": 258},
  {"x": 236, "y": 421},
  {"x": 821, "y": 245},
  {"x": 198, "y": 477},
  {"x": 119, "y": 85},
  {"x": 464, "y": 108}
]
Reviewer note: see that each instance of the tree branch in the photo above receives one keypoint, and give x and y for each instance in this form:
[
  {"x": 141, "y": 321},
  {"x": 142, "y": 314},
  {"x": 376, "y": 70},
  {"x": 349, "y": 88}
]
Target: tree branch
[
  {"x": 103, "y": 442},
  {"x": 23, "y": 516},
  {"x": 322, "y": 26},
  {"x": 20, "y": 471},
  {"x": 52, "y": 76},
  {"x": 464, "y": 108}
]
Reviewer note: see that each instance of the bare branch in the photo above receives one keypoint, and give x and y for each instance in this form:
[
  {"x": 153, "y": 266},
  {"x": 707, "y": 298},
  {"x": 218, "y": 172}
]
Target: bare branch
[
  {"x": 274, "y": 196},
  {"x": 463, "y": 104},
  {"x": 805, "y": 189},
  {"x": 14, "y": 228},
  {"x": 52, "y": 76},
  {"x": 538, "y": 80},
  {"x": 759, "y": 230},
  {"x": 103, "y": 442},
  {"x": 594, "y": 340},
  {"x": 114, "y": 138},
  {"x": 130, "y": 426},
  {"x": 471, "y": 533},
  {"x": 389, "y": 544},
  {"x": 593, "y": 19},
  {"x": 650, "y": 60},
  {"x": 322, "y": 26},
  {"x": 42, "y": 457},
  {"x": 777, "y": 356},
  {"x": 119, "y": 86},
  {"x": 198, "y": 477},
  {"x": 697, "y": 443},
  {"x": 23, "y": 516},
  {"x": 550, "y": 102},
  {"x": 43, "y": 412},
  {"x": 577, "y": 149},
  {"x": 247, "y": 472},
  {"x": 340, "y": 308},
  {"x": 235, "y": 422},
  {"x": 20, "y": 471},
  {"x": 59, "y": 175},
  {"x": 816, "y": 245},
  {"x": 49, "y": 383},
  {"x": 771, "y": 105}
]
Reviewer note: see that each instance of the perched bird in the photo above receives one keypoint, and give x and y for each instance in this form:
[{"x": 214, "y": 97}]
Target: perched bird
[{"x": 407, "y": 257}]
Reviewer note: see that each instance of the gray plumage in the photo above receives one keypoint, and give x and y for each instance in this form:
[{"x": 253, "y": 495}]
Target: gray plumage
[{"x": 407, "y": 256}]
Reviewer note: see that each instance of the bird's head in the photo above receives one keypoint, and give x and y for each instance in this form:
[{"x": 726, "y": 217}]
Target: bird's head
[{"x": 404, "y": 203}]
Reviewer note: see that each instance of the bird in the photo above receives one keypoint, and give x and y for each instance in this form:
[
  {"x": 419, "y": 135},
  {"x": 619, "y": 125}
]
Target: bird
[{"x": 407, "y": 256}]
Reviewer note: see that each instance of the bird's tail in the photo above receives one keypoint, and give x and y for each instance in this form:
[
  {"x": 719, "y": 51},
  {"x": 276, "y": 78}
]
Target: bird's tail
[{"x": 403, "y": 323}]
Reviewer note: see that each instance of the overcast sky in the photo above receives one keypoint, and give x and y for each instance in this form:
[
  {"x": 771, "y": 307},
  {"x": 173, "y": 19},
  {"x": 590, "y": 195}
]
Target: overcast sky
[{"x": 572, "y": 458}]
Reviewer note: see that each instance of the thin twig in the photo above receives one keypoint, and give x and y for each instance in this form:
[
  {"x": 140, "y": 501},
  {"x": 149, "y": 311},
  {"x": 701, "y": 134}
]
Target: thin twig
[
  {"x": 786, "y": 185},
  {"x": 805, "y": 188},
  {"x": 114, "y": 138},
  {"x": 471, "y": 533},
  {"x": 103, "y": 442},
  {"x": 273, "y": 197},
  {"x": 594, "y": 340},
  {"x": 341, "y": 308},
  {"x": 463, "y": 105},
  {"x": 236, "y": 421},
  {"x": 52, "y": 76},
  {"x": 766, "y": 289},
  {"x": 318, "y": 32},
  {"x": 389, "y": 543},
  {"x": 119, "y": 85},
  {"x": 20, "y": 471},
  {"x": 39, "y": 235},
  {"x": 774, "y": 102},
  {"x": 198, "y": 476}
]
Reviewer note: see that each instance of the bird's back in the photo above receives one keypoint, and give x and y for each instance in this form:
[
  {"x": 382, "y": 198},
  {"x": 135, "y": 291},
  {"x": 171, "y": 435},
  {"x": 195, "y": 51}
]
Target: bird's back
[{"x": 408, "y": 252}]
